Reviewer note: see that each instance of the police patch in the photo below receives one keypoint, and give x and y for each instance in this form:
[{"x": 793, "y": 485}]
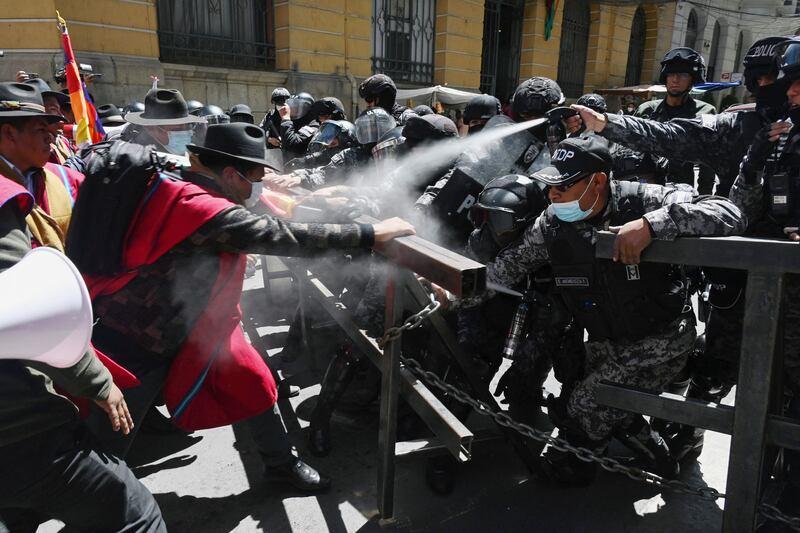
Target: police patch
[
  {"x": 632, "y": 272},
  {"x": 572, "y": 281},
  {"x": 530, "y": 154}
]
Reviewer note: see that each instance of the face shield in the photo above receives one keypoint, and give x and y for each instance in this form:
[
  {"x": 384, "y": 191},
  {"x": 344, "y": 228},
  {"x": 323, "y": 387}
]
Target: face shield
[
  {"x": 324, "y": 137},
  {"x": 372, "y": 125},
  {"x": 789, "y": 60},
  {"x": 298, "y": 107}
]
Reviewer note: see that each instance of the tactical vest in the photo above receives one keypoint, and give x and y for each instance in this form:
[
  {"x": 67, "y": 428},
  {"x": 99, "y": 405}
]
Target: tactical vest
[{"x": 612, "y": 300}]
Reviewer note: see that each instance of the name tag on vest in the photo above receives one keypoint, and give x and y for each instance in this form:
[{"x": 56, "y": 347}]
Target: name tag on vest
[{"x": 572, "y": 281}]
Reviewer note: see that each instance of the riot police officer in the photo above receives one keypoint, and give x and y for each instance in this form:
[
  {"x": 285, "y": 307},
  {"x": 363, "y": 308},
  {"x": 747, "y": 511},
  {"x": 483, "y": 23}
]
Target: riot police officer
[
  {"x": 298, "y": 125},
  {"x": 333, "y": 137},
  {"x": 271, "y": 123},
  {"x": 479, "y": 110},
  {"x": 380, "y": 91}
]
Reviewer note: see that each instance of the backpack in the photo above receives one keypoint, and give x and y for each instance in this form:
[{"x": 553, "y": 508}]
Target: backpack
[{"x": 117, "y": 175}]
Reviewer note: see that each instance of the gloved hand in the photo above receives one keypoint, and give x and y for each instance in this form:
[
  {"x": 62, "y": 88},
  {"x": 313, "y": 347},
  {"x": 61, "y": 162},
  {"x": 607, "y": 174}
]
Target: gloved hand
[
  {"x": 763, "y": 144},
  {"x": 517, "y": 385}
]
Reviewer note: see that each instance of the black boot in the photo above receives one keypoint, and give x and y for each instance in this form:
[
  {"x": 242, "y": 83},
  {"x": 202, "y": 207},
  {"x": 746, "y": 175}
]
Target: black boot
[
  {"x": 686, "y": 442},
  {"x": 652, "y": 451},
  {"x": 564, "y": 468},
  {"x": 337, "y": 377}
]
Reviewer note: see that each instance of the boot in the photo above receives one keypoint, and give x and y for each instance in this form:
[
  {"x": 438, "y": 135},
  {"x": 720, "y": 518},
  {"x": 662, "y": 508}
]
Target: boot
[
  {"x": 564, "y": 468},
  {"x": 651, "y": 450},
  {"x": 679, "y": 386},
  {"x": 686, "y": 442},
  {"x": 337, "y": 377}
]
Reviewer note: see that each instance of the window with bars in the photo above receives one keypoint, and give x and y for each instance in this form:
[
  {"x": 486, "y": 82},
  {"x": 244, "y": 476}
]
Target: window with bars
[
  {"x": 220, "y": 33},
  {"x": 403, "y": 39}
]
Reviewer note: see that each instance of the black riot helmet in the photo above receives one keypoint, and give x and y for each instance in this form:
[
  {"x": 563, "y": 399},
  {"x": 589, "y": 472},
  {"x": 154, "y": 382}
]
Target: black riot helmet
[
  {"x": 593, "y": 101},
  {"x": 422, "y": 110},
  {"x": 133, "y": 107},
  {"x": 685, "y": 60},
  {"x": 379, "y": 87},
  {"x": 330, "y": 106},
  {"x": 194, "y": 107},
  {"x": 214, "y": 114},
  {"x": 418, "y": 130},
  {"x": 760, "y": 61},
  {"x": 630, "y": 165},
  {"x": 788, "y": 60},
  {"x": 507, "y": 205},
  {"x": 339, "y": 132},
  {"x": 299, "y": 105},
  {"x": 372, "y": 125},
  {"x": 481, "y": 107},
  {"x": 535, "y": 96},
  {"x": 279, "y": 96}
]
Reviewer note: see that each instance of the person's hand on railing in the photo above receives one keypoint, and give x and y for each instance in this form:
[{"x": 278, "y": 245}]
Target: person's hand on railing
[
  {"x": 632, "y": 238},
  {"x": 388, "y": 229},
  {"x": 282, "y": 181}
]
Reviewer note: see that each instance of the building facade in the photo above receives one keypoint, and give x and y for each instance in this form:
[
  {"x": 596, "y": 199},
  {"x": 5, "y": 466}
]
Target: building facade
[{"x": 233, "y": 51}]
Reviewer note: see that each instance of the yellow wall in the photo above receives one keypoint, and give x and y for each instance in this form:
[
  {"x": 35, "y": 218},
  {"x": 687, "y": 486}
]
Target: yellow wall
[
  {"x": 539, "y": 57},
  {"x": 459, "y": 43},
  {"x": 102, "y": 26}
]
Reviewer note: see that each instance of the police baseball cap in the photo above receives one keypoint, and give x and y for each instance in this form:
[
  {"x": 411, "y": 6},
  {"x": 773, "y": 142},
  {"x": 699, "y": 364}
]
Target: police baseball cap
[{"x": 574, "y": 159}]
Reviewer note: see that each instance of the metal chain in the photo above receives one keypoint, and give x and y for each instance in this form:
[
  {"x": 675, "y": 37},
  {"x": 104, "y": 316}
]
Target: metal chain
[
  {"x": 610, "y": 464},
  {"x": 412, "y": 322},
  {"x": 770, "y": 512}
]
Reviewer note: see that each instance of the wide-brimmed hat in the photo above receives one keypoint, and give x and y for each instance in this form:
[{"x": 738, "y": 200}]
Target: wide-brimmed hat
[
  {"x": 163, "y": 107},
  {"x": 238, "y": 141},
  {"x": 45, "y": 90},
  {"x": 110, "y": 115},
  {"x": 241, "y": 113},
  {"x": 574, "y": 159},
  {"x": 23, "y": 100}
]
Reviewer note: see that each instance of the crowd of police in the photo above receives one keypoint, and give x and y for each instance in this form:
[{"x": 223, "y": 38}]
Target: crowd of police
[{"x": 161, "y": 216}]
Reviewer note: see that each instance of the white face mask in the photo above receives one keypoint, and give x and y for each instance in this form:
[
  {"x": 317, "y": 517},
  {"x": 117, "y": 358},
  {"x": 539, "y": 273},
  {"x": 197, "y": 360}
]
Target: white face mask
[
  {"x": 178, "y": 141},
  {"x": 255, "y": 192}
]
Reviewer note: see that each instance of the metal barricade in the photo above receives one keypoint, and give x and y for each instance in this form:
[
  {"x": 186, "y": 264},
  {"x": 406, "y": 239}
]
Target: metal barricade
[{"x": 753, "y": 423}]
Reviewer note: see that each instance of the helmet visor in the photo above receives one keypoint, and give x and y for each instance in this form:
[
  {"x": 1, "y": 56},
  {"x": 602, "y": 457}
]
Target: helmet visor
[
  {"x": 386, "y": 149},
  {"x": 789, "y": 59},
  {"x": 298, "y": 107},
  {"x": 372, "y": 126},
  {"x": 500, "y": 220},
  {"x": 325, "y": 135}
]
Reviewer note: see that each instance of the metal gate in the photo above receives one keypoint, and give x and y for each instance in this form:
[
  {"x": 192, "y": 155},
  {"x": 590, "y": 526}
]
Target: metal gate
[
  {"x": 502, "y": 35},
  {"x": 403, "y": 39},
  {"x": 574, "y": 46},
  {"x": 633, "y": 72}
]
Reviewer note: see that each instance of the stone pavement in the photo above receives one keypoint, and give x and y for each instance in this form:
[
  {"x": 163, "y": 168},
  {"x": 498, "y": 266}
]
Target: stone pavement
[{"x": 210, "y": 481}]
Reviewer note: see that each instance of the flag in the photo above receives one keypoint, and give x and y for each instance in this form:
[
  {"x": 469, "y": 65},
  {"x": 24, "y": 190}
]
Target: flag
[
  {"x": 88, "y": 129},
  {"x": 550, "y": 7}
]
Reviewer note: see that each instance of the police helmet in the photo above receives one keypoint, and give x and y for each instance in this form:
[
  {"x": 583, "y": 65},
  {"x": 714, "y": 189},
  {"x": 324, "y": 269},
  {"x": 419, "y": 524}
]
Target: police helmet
[
  {"x": 389, "y": 144},
  {"x": 630, "y": 165},
  {"x": 481, "y": 107},
  {"x": 685, "y": 60},
  {"x": 299, "y": 105},
  {"x": 194, "y": 107},
  {"x": 760, "y": 60},
  {"x": 788, "y": 58},
  {"x": 280, "y": 95},
  {"x": 428, "y": 128},
  {"x": 373, "y": 124},
  {"x": 422, "y": 110},
  {"x": 535, "y": 96},
  {"x": 242, "y": 113},
  {"x": 380, "y": 87},
  {"x": 593, "y": 101},
  {"x": 507, "y": 205},
  {"x": 329, "y": 106},
  {"x": 214, "y": 114},
  {"x": 340, "y": 130}
]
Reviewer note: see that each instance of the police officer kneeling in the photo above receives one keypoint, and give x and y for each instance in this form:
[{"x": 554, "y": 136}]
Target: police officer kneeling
[{"x": 639, "y": 319}]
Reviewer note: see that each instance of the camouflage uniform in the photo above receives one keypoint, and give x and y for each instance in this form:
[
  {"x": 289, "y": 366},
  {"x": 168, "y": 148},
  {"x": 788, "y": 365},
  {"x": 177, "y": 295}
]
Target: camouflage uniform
[
  {"x": 337, "y": 171},
  {"x": 656, "y": 359}
]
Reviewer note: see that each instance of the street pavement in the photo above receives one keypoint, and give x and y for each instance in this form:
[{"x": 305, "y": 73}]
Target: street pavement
[{"x": 211, "y": 481}]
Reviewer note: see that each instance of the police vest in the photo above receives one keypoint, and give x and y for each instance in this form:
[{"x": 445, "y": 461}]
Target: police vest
[{"x": 612, "y": 300}]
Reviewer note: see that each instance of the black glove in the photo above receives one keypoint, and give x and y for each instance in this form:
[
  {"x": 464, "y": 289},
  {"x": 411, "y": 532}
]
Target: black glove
[{"x": 757, "y": 155}]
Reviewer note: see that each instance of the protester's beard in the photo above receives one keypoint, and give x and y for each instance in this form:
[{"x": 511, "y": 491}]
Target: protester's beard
[{"x": 771, "y": 100}]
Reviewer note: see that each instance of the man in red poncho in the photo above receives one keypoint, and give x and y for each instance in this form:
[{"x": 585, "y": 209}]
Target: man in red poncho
[{"x": 170, "y": 315}]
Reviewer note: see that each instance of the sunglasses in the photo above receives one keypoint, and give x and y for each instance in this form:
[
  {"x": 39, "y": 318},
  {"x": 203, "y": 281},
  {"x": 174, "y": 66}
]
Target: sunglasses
[{"x": 564, "y": 188}]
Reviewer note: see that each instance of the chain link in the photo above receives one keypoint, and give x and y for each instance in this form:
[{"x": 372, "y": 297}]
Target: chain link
[
  {"x": 770, "y": 512},
  {"x": 412, "y": 322}
]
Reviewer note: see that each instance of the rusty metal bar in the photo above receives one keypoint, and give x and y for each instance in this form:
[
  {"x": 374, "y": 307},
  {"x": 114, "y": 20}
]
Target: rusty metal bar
[
  {"x": 390, "y": 388},
  {"x": 725, "y": 252}
]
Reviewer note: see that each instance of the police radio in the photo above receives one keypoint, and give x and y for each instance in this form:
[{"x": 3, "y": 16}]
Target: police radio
[
  {"x": 780, "y": 194},
  {"x": 556, "y": 132}
]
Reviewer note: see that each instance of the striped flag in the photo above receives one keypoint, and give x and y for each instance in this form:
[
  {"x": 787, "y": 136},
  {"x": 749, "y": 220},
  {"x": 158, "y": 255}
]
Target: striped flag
[{"x": 88, "y": 129}]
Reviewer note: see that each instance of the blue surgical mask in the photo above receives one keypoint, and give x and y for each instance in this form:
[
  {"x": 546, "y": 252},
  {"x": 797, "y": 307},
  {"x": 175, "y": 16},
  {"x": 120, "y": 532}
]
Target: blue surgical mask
[
  {"x": 178, "y": 141},
  {"x": 571, "y": 211}
]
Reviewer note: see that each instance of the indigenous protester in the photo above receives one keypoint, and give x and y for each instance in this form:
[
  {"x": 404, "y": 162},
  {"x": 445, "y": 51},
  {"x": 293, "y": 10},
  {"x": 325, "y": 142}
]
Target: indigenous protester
[
  {"x": 181, "y": 254},
  {"x": 50, "y": 468},
  {"x": 165, "y": 122}
]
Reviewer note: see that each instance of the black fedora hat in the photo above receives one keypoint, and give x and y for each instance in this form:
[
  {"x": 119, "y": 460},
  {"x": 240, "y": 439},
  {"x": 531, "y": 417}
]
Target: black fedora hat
[
  {"x": 238, "y": 141},
  {"x": 163, "y": 107},
  {"x": 45, "y": 90},
  {"x": 23, "y": 100},
  {"x": 241, "y": 113},
  {"x": 110, "y": 115}
]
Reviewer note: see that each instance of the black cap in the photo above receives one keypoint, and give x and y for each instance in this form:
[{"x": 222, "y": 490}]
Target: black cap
[{"x": 574, "y": 159}]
